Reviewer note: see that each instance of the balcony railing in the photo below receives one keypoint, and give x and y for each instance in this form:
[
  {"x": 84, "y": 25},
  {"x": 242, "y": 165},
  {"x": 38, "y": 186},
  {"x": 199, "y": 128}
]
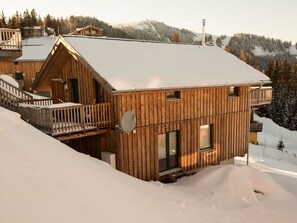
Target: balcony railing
[
  {"x": 11, "y": 96},
  {"x": 262, "y": 96},
  {"x": 66, "y": 118},
  {"x": 10, "y": 39},
  {"x": 256, "y": 126}
]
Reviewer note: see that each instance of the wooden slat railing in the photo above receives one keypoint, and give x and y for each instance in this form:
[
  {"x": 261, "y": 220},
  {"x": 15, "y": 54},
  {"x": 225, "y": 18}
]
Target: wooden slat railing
[
  {"x": 261, "y": 96},
  {"x": 64, "y": 120},
  {"x": 11, "y": 96},
  {"x": 43, "y": 102},
  {"x": 10, "y": 39}
]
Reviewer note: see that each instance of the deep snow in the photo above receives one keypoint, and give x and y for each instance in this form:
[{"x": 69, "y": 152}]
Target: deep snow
[{"x": 42, "y": 180}]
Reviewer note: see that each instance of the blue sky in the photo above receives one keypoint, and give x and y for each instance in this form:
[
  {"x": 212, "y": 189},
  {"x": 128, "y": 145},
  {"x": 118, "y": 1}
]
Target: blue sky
[{"x": 270, "y": 18}]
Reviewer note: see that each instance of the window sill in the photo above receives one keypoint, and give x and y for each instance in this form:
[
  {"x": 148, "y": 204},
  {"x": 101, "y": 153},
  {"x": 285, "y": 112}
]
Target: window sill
[
  {"x": 173, "y": 99},
  {"x": 206, "y": 149}
]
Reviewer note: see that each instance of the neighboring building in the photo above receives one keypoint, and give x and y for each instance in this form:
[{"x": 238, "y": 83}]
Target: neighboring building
[
  {"x": 88, "y": 31},
  {"x": 36, "y": 31},
  {"x": 191, "y": 103},
  {"x": 25, "y": 67}
]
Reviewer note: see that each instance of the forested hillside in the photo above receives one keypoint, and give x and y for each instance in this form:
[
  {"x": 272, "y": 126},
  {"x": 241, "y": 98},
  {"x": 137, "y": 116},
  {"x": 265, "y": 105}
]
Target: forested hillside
[
  {"x": 59, "y": 25},
  {"x": 256, "y": 50},
  {"x": 278, "y": 60},
  {"x": 283, "y": 109}
]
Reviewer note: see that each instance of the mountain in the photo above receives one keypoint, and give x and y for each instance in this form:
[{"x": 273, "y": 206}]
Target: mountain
[
  {"x": 259, "y": 48},
  {"x": 157, "y": 31}
]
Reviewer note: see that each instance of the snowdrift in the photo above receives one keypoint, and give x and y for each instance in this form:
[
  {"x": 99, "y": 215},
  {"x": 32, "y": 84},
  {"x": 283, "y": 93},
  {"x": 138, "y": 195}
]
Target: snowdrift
[{"x": 43, "y": 180}]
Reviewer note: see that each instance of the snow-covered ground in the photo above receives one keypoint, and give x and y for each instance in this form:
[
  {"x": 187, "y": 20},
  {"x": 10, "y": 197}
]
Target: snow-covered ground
[
  {"x": 281, "y": 166},
  {"x": 42, "y": 180}
]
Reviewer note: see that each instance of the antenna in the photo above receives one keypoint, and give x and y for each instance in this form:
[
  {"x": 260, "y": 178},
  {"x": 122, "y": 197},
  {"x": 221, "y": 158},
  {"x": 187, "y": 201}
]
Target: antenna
[
  {"x": 203, "y": 32},
  {"x": 128, "y": 121}
]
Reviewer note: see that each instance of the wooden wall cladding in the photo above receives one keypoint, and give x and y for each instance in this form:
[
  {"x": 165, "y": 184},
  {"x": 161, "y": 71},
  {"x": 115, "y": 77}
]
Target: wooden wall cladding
[
  {"x": 153, "y": 107},
  {"x": 29, "y": 68},
  {"x": 137, "y": 153},
  {"x": 75, "y": 70}
]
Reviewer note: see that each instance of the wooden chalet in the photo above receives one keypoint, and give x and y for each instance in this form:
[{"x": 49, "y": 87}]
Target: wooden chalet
[
  {"x": 192, "y": 103},
  {"x": 27, "y": 65},
  {"x": 35, "y": 31},
  {"x": 88, "y": 31}
]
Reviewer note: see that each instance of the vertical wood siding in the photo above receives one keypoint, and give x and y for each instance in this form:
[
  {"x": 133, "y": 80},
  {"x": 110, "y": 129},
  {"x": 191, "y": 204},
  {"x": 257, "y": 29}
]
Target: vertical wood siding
[
  {"x": 137, "y": 153},
  {"x": 75, "y": 70},
  {"x": 29, "y": 68}
]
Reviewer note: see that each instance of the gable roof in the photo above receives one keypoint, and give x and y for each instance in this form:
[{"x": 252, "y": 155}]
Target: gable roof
[
  {"x": 36, "y": 49},
  {"x": 78, "y": 30},
  {"x": 138, "y": 65}
]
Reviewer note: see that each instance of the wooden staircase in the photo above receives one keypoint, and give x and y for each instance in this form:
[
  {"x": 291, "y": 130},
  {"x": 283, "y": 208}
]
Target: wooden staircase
[{"x": 11, "y": 96}]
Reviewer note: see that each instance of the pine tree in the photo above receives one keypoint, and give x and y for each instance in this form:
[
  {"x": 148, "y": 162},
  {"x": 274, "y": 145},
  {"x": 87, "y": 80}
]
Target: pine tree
[
  {"x": 281, "y": 145},
  {"x": 175, "y": 38},
  {"x": 219, "y": 42},
  {"x": 33, "y": 16},
  {"x": 242, "y": 55},
  {"x": 3, "y": 23}
]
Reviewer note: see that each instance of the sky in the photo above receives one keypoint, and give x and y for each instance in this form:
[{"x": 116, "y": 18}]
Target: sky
[{"x": 269, "y": 18}]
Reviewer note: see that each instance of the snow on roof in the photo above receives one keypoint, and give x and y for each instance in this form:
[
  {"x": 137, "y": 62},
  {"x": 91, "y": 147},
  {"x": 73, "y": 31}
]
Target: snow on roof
[
  {"x": 37, "y": 48},
  {"x": 136, "y": 65}
]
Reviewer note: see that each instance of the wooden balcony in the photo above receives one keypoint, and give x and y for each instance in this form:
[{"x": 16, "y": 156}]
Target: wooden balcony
[
  {"x": 256, "y": 126},
  {"x": 10, "y": 43},
  {"x": 261, "y": 97},
  {"x": 66, "y": 118}
]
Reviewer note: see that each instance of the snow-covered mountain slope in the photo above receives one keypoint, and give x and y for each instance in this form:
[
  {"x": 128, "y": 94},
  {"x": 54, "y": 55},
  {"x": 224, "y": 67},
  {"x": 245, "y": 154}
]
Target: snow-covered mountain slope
[
  {"x": 257, "y": 45},
  {"x": 43, "y": 180},
  {"x": 158, "y": 31}
]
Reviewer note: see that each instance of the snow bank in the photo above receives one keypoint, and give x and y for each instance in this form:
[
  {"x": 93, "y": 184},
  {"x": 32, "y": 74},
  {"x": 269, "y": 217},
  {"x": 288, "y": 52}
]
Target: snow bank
[
  {"x": 238, "y": 186},
  {"x": 43, "y": 180}
]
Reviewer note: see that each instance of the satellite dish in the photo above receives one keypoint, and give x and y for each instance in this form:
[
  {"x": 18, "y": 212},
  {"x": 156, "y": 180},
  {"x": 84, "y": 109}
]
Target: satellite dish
[{"x": 128, "y": 121}]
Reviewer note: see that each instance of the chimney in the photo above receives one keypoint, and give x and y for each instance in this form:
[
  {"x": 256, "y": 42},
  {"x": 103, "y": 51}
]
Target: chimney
[{"x": 203, "y": 32}]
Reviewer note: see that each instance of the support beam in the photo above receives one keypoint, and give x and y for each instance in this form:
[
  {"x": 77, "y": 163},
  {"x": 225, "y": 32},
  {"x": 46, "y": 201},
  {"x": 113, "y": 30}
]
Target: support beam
[{"x": 81, "y": 135}]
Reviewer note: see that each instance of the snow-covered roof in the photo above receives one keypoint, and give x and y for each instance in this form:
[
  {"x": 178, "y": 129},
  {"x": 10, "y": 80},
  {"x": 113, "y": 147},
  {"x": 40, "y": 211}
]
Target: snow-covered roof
[
  {"x": 138, "y": 65},
  {"x": 37, "y": 48}
]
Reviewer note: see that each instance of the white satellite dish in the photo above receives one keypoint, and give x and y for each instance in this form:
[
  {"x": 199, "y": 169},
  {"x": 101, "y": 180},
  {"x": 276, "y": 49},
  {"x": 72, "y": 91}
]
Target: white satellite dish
[{"x": 128, "y": 121}]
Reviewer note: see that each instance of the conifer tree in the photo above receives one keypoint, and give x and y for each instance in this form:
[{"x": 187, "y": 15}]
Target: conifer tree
[
  {"x": 175, "y": 38},
  {"x": 281, "y": 145},
  {"x": 3, "y": 23}
]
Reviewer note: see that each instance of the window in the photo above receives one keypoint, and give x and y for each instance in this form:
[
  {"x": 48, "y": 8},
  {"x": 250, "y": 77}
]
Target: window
[
  {"x": 233, "y": 91},
  {"x": 168, "y": 144},
  {"x": 173, "y": 95},
  {"x": 205, "y": 137}
]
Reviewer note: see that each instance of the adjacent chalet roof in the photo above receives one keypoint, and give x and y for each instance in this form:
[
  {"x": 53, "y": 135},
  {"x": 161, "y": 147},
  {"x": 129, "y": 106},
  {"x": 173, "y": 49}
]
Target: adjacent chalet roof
[
  {"x": 82, "y": 31},
  {"x": 36, "y": 49},
  {"x": 138, "y": 65}
]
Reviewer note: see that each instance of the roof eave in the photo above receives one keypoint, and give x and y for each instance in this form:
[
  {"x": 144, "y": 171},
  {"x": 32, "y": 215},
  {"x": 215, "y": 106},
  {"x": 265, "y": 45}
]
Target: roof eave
[{"x": 259, "y": 82}]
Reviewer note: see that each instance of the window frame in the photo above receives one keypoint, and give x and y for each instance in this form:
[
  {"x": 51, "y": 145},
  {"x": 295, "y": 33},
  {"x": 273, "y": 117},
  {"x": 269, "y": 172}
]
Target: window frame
[
  {"x": 210, "y": 147},
  {"x": 167, "y": 158},
  {"x": 173, "y": 95},
  {"x": 234, "y": 92}
]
